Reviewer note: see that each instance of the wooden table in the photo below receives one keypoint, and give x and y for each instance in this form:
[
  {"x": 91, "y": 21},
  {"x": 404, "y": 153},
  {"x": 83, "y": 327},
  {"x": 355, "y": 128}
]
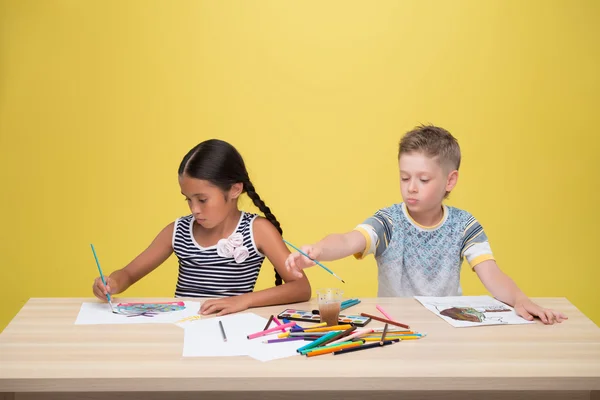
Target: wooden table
[{"x": 43, "y": 355}]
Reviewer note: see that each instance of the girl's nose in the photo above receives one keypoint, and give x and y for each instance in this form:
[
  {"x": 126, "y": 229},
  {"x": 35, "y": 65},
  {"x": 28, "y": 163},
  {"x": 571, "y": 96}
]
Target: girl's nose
[{"x": 195, "y": 208}]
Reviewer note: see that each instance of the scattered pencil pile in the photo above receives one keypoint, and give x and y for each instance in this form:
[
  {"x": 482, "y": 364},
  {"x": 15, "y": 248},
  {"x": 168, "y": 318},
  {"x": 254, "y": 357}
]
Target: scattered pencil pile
[{"x": 339, "y": 339}]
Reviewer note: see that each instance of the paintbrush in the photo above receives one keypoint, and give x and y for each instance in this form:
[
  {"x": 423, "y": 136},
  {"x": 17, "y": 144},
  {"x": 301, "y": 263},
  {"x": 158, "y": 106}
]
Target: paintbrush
[
  {"x": 315, "y": 261},
  {"x": 103, "y": 280}
]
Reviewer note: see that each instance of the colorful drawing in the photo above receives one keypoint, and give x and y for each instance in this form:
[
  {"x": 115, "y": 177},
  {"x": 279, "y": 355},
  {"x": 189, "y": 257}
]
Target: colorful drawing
[
  {"x": 472, "y": 314},
  {"x": 148, "y": 309},
  {"x": 148, "y": 312},
  {"x": 463, "y": 314},
  {"x": 464, "y": 311}
]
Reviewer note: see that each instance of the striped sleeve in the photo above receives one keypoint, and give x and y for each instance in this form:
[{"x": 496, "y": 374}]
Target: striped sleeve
[
  {"x": 475, "y": 245},
  {"x": 377, "y": 231}
]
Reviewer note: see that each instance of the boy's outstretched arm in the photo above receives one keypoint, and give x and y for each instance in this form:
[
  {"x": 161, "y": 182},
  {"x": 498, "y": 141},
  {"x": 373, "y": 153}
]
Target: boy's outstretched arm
[
  {"x": 332, "y": 247},
  {"x": 503, "y": 288}
]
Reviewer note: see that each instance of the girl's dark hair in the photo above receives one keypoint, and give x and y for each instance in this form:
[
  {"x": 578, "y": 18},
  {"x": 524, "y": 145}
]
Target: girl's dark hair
[{"x": 222, "y": 165}]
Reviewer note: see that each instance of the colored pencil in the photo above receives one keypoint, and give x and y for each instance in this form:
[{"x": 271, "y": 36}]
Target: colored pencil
[
  {"x": 222, "y": 331},
  {"x": 329, "y": 328},
  {"x": 390, "y": 337},
  {"x": 319, "y": 325},
  {"x": 268, "y": 323},
  {"x": 317, "y": 342},
  {"x": 301, "y": 334},
  {"x": 385, "y": 328},
  {"x": 306, "y": 351},
  {"x": 387, "y": 321},
  {"x": 340, "y": 335},
  {"x": 381, "y": 310},
  {"x": 365, "y": 347},
  {"x": 291, "y": 339},
  {"x": 349, "y": 304},
  {"x": 333, "y": 349},
  {"x": 354, "y": 335}
]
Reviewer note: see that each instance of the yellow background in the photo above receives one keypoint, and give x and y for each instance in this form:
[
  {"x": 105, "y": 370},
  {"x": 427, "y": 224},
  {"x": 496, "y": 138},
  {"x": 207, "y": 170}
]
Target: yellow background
[{"x": 100, "y": 100}]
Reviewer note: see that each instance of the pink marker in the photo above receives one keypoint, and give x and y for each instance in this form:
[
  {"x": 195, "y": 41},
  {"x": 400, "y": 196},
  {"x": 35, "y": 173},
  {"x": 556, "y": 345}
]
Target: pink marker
[
  {"x": 271, "y": 330},
  {"x": 278, "y": 323},
  {"x": 384, "y": 313}
]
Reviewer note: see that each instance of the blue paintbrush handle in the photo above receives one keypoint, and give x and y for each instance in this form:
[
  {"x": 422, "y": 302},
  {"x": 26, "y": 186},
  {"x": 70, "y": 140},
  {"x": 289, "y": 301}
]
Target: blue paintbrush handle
[
  {"x": 100, "y": 270},
  {"x": 307, "y": 256},
  {"x": 313, "y": 260}
]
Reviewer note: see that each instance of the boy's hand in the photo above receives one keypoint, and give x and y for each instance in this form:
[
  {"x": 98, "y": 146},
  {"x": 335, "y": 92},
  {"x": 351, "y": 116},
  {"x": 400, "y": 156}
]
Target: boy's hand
[
  {"x": 528, "y": 309},
  {"x": 100, "y": 290},
  {"x": 226, "y": 305},
  {"x": 296, "y": 262}
]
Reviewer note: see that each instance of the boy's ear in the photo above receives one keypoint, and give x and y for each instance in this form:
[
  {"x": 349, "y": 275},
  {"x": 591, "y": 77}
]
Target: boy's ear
[
  {"x": 236, "y": 190},
  {"x": 452, "y": 180}
]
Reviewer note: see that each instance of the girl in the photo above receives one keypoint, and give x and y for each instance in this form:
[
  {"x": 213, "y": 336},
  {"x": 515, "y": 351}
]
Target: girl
[{"x": 220, "y": 248}]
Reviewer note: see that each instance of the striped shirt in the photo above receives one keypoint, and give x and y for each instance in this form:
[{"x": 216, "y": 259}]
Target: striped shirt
[
  {"x": 415, "y": 260},
  {"x": 204, "y": 273}
]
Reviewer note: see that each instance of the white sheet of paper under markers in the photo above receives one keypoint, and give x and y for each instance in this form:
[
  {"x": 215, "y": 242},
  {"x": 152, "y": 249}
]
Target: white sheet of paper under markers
[
  {"x": 468, "y": 311},
  {"x": 100, "y": 313},
  {"x": 204, "y": 339}
]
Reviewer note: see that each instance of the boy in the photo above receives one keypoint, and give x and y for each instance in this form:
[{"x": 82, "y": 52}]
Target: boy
[{"x": 419, "y": 244}]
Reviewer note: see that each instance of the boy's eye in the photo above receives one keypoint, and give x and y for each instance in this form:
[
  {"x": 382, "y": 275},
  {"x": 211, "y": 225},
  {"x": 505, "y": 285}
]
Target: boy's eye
[
  {"x": 424, "y": 180},
  {"x": 202, "y": 200},
  {"x": 404, "y": 179}
]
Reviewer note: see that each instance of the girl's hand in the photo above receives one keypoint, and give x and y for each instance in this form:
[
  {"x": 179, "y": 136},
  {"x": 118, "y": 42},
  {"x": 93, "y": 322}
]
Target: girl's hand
[
  {"x": 296, "y": 262},
  {"x": 528, "y": 309},
  {"x": 226, "y": 305},
  {"x": 100, "y": 291}
]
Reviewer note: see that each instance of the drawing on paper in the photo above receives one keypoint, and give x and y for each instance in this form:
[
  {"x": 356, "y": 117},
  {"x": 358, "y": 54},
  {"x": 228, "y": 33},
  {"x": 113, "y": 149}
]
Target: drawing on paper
[
  {"x": 148, "y": 309},
  {"x": 472, "y": 314},
  {"x": 464, "y": 311}
]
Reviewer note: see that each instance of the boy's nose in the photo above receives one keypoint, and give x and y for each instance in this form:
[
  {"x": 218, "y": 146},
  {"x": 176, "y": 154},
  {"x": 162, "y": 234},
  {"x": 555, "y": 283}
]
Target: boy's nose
[{"x": 412, "y": 187}]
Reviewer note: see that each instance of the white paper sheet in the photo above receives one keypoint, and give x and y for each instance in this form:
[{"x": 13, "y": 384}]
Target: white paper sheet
[
  {"x": 203, "y": 339},
  {"x": 467, "y": 311},
  {"x": 157, "y": 313},
  {"x": 274, "y": 351}
]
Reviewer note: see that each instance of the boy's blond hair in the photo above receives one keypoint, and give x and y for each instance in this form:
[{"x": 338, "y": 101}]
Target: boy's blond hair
[{"x": 434, "y": 142}]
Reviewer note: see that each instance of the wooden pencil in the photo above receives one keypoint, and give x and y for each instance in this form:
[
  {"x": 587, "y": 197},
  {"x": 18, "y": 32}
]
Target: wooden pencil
[{"x": 387, "y": 321}]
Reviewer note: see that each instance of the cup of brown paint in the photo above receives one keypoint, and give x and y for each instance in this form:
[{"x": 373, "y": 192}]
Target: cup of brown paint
[{"x": 330, "y": 300}]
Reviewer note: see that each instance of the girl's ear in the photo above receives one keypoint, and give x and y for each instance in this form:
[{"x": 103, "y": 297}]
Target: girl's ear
[{"x": 236, "y": 190}]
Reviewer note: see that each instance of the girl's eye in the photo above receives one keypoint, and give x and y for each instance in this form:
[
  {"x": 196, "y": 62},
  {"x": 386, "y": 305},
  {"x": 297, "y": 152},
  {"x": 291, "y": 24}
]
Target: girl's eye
[
  {"x": 202, "y": 201},
  {"x": 424, "y": 180},
  {"x": 404, "y": 179}
]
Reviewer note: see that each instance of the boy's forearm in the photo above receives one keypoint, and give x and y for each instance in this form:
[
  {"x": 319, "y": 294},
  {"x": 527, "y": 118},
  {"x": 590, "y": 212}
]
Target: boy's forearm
[
  {"x": 336, "y": 246},
  {"x": 500, "y": 285},
  {"x": 507, "y": 290}
]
